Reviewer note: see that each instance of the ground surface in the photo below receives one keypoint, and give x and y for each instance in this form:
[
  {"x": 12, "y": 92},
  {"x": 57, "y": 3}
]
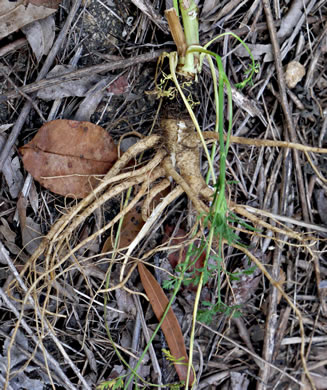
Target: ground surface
[{"x": 261, "y": 348}]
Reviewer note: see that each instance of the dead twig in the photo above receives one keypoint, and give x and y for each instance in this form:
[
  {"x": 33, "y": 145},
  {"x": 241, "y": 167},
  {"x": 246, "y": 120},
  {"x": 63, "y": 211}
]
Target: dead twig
[
  {"x": 42, "y": 82},
  {"x": 291, "y": 133}
]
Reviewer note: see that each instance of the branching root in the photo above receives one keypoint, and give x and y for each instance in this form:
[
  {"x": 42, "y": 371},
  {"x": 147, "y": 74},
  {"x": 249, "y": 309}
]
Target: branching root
[{"x": 176, "y": 162}]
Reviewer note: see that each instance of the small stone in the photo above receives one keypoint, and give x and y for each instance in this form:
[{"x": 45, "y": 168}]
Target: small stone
[{"x": 294, "y": 73}]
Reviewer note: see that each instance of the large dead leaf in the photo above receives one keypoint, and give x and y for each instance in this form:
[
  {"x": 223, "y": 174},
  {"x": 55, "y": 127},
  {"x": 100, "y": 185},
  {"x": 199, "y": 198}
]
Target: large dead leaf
[
  {"x": 65, "y": 156},
  {"x": 15, "y": 15},
  {"x": 170, "y": 325}
]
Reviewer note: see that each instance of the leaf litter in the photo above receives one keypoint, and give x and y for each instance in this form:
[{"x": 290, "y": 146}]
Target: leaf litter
[
  {"x": 235, "y": 366},
  {"x": 15, "y": 15},
  {"x": 69, "y": 88}
]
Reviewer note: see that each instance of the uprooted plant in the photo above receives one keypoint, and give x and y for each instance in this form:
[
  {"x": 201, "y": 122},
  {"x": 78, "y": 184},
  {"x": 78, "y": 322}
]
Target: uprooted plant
[{"x": 175, "y": 164}]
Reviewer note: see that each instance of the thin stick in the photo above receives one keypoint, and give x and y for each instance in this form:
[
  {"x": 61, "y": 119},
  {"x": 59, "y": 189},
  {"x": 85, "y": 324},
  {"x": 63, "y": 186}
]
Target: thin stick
[
  {"x": 288, "y": 300},
  {"x": 293, "y": 221},
  {"x": 285, "y": 105},
  {"x": 254, "y": 355},
  {"x": 242, "y": 211},
  {"x": 79, "y": 73},
  {"x": 48, "y": 328},
  {"x": 266, "y": 142}
]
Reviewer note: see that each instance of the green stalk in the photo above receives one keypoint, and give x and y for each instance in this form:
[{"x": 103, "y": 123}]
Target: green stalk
[
  {"x": 216, "y": 100},
  {"x": 175, "y": 5},
  {"x": 190, "y": 13},
  {"x": 219, "y": 206},
  {"x": 196, "y": 305},
  {"x": 223, "y": 81}
]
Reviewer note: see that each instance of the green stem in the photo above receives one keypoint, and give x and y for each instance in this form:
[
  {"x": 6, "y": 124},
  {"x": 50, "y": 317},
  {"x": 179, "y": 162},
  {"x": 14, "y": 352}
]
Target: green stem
[
  {"x": 190, "y": 13},
  {"x": 196, "y": 305},
  {"x": 175, "y": 5},
  {"x": 253, "y": 67},
  {"x": 216, "y": 100},
  {"x": 223, "y": 81}
]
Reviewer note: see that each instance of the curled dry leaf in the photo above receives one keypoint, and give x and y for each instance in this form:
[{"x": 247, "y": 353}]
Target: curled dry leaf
[
  {"x": 12, "y": 172},
  {"x": 40, "y": 35},
  {"x": 15, "y": 15},
  {"x": 65, "y": 156},
  {"x": 79, "y": 87}
]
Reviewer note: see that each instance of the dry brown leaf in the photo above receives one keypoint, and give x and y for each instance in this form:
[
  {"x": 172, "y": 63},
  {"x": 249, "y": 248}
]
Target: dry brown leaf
[
  {"x": 15, "y": 15},
  {"x": 119, "y": 86},
  {"x": 65, "y": 155},
  {"x": 131, "y": 226},
  {"x": 170, "y": 325}
]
